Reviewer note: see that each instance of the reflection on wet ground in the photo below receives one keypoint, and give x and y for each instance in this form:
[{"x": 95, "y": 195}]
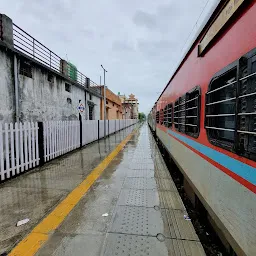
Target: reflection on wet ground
[
  {"x": 132, "y": 209},
  {"x": 34, "y": 194}
]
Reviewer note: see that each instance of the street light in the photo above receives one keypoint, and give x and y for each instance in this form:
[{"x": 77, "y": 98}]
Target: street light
[{"x": 104, "y": 70}]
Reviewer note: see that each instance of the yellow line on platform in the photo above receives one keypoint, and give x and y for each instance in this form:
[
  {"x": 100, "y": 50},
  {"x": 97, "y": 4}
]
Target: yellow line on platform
[{"x": 40, "y": 234}]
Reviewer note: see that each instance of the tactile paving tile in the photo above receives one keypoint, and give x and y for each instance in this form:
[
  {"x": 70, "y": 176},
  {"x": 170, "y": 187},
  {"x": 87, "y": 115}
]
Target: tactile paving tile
[
  {"x": 166, "y": 184},
  {"x": 171, "y": 200},
  {"x": 143, "y": 160},
  {"x": 141, "y": 166},
  {"x": 134, "y": 245},
  {"x": 180, "y": 228},
  {"x": 138, "y": 197},
  {"x": 139, "y": 183},
  {"x": 139, "y": 221},
  {"x": 140, "y": 173}
]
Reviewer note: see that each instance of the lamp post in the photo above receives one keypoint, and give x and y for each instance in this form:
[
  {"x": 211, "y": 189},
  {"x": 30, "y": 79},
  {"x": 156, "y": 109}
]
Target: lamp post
[{"x": 104, "y": 70}]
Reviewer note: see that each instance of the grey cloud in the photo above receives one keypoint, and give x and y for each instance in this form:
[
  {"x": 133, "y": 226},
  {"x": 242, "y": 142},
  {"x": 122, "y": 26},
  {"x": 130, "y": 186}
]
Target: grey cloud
[
  {"x": 122, "y": 46},
  {"x": 138, "y": 42},
  {"x": 156, "y": 48},
  {"x": 144, "y": 19}
]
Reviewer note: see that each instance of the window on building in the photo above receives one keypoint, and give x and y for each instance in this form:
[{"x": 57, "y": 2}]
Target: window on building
[
  {"x": 91, "y": 108},
  {"x": 69, "y": 101},
  {"x": 231, "y": 108},
  {"x": 67, "y": 87},
  {"x": 25, "y": 68},
  {"x": 50, "y": 78},
  {"x": 157, "y": 117}
]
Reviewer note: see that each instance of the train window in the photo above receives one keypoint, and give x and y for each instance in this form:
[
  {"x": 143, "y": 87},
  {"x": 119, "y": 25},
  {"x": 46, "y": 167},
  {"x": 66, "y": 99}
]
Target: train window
[
  {"x": 161, "y": 116},
  {"x": 220, "y": 110},
  {"x": 193, "y": 112},
  {"x": 157, "y": 117},
  {"x": 246, "y": 105},
  {"x": 176, "y": 115},
  {"x": 231, "y": 108},
  {"x": 187, "y": 113},
  {"x": 166, "y": 115},
  {"x": 180, "y": 114},
  {"x": 169, "y": 115}
]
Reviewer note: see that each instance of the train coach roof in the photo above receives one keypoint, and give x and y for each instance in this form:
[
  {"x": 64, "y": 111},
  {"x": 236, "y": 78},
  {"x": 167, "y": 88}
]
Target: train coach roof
[{"x": 216, "y": 5}]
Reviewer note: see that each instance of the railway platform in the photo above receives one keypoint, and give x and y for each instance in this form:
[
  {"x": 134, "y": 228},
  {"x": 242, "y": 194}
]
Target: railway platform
[{"x": 127, "y": 205}]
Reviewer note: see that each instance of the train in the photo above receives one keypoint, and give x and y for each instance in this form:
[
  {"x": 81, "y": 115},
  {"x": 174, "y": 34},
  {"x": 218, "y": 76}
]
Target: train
[{"x": 205, "y": 118}]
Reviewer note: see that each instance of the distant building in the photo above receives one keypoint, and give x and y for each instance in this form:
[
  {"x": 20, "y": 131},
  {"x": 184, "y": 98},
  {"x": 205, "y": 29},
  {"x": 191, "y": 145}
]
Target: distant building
[
  {"x": 113, "y": 105},
  {"x": 130, "y": 106}
]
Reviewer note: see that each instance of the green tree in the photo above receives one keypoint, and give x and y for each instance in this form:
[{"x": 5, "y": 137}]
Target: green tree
[{"x": 142, "y": 116}]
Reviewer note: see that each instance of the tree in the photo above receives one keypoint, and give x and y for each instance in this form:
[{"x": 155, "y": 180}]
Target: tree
[{"x": 142, "y": 116}]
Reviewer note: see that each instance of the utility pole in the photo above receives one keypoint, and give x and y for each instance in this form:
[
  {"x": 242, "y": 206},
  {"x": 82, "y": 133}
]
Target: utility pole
[{"x": 105, "y": 112}]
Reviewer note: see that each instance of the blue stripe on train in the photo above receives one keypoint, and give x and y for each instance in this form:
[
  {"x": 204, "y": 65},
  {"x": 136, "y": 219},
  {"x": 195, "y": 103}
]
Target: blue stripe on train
[{"x": 245, "y": 171}]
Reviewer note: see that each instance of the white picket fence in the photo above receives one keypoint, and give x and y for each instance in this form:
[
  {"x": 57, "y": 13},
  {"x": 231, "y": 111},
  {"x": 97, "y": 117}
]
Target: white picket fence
[
  {"x": 60, "y": 137},
  {"x": 18, "y": 148},
  {"x": 90, "y": 131},
  {"x": 19, "y": 142}
]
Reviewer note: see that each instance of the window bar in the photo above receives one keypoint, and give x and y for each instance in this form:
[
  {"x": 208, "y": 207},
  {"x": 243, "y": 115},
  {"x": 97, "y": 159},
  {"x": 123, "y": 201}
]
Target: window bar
[
  {"x": 221, "y": 129},
  {"x": 191, "y": 108},
  {"x": 245, "y": 77},
  {"x": 247, "y": 95},
  {"x": 245, "y": 114},
  {"x": 247, "y": 132},
  {"x": 194, "y": 125},
  {"x": 196, "y": 98},
  {"x": 222, "y": 87},
  {"x": 191, "y": 116},
  {"x": 220, "y": 101},
  {"x": 220, "y": 115}
]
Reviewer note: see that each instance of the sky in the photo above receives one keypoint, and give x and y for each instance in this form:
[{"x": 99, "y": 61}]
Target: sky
[{"x": 139, "y": 43}]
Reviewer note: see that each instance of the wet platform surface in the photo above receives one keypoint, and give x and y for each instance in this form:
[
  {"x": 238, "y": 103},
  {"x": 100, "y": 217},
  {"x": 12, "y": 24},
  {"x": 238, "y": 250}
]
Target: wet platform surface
[
  {"x": 145, "y": 214},
  {"x": 35, "y": 194}
]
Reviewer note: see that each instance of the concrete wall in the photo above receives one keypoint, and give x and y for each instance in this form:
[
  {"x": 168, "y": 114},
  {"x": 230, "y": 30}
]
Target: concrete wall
[
  {"x": 39, "y": 99},
  {"x": 7, "y": 106}
]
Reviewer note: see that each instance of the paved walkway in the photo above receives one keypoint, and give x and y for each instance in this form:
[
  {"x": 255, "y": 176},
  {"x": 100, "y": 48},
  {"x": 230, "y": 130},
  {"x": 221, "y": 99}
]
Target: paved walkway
[
  {"x": 34, "y": 194},
  {"x": 132, "y": 209}
]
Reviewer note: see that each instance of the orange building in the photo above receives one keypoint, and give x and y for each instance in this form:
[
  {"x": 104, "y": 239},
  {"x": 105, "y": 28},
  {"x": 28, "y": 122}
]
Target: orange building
[{"x": 113, "y": 105}]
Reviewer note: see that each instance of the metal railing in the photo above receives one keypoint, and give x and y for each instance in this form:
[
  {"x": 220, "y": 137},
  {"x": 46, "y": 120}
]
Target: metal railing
[{"x": 31, "y": 47}]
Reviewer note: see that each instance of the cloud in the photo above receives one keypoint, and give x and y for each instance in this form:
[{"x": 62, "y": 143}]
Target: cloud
[
  {"x": 138, "y": 42},
  {"x": 122, "y": 46},
  {"x": 144, "y": 19}
]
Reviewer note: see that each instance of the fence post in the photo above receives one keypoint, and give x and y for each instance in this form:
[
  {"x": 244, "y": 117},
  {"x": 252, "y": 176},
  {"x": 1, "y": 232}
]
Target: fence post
[
  {"x": 81, "y": 130},
  {"x": 41, "y": 143},
  {"x": 98, "y": 129},
  {"x": 108, "y": 128}
]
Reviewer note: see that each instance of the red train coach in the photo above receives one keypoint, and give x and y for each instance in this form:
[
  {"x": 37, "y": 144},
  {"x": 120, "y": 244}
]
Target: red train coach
[{"x": 206, "y": 120}]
